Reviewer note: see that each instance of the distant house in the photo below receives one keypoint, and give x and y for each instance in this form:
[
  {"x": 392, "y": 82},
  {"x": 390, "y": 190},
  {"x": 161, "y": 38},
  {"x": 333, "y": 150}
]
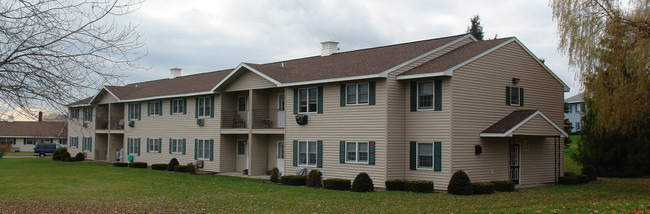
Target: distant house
[
  {"x": 575, "y": 107},
  {"x": 23, "y": 135}
]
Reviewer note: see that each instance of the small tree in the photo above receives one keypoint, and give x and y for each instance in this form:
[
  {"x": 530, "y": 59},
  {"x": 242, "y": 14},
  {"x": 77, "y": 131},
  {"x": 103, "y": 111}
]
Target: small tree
[
  {"x": 362, "y": 183},
  {"x": 275, "y": 174},
  {"x": 475, "y": 28},
  {"x": 315, "y": 178},
  {"x": 172, "y": 163},
  {"x": 460, "y": 184}
]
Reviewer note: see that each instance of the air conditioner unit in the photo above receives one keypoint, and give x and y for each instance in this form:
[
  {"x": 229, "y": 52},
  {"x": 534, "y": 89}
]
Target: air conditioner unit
[
  {"x": 85, "y": 155},
  {"x": 85, "y": 125},
  {"x": 131, "y": 123},
  {"x": 200, "y": 122},
  {"x": 199, "y": 164}
]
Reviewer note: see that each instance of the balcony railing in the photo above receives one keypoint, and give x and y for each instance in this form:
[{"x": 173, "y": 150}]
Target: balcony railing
[
  {"x": 233, "y": 119},
  {"x": 117, "y": 123},
  {"x": 268, "y": 118}
]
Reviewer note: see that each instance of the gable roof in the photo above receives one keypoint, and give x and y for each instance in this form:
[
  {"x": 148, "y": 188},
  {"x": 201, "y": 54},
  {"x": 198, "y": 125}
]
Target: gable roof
[
  {"x": 33, "y": 129},
  {"x": 82, "y": 102},
  {"x": 508, "y": 124},
  {"x": 575, "y": 99}
]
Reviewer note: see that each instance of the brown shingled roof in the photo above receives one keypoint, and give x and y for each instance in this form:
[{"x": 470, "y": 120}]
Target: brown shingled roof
[
  {"x": 33, "y": 129},
  {"x": 84, "y": 101},
  {"x": 510, "y": 121}
]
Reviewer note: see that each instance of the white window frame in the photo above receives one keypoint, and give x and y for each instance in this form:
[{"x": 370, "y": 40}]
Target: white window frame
[
  {"x": 357, "y": 100},
  {"x": 86, "y": 144},
  {"x": 241, "y": 151},
  {"x": 418, "y": 157},
  {"x": 132, "y": 147},
  {"x": 433, "y": 95},
  {"x": 239, "y": 104},
  {"x": 203, "y": 149},
  {"x": 74, "y": 142},
  {"x": 155, "y": 108},
  {"x": 177, "y": 146},
  {"x": 512, "y": 93},
  {"x": 87, "y": 114},
  {"x": 308, "y": 155},
  {"x": 154, "y": 145},
  {"x": 74, "y": 113},
  {"x": 29, "y": 141},
  {"x": 308, "y": 100},
  {"x": 134, "y": 111},
  {"x": 357, "y": 152},
  {"x": 177, "y": 106},
  {"x": 204, "y": 105}
]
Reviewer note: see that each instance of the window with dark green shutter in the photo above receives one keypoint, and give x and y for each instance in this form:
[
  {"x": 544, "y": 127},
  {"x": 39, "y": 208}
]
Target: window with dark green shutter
[
  {"x": 412, "y": 155},
  {"x": 309, "y": 100},
  {"x": 319, "y": 156},
  {"x": 437, "y": 156},
  {"x": 514, "y": 96},
  {"x": 295, "y": 153}
]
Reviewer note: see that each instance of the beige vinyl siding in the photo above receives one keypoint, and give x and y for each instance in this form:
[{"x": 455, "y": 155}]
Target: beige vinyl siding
[
  {"x": 537, "y": 126},
  {"x": 247, "y": 80},
  {"x": 228, "y": 153},
  {"x": 176, "y": 126},
  {"x": 106, "y": 98},
  {"x": 535, "y": 162},
  {"x": 349, "y": 123},
  {"x": 479, "y": 101},
  {"x": 76, "y": 129}
]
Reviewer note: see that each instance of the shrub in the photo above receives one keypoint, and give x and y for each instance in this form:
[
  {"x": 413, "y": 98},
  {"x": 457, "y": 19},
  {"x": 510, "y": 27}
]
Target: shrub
[
  {"x": 191, "y": 168},
  {"x": 336, "y": 184},
  {"x": 395, "y": 185},
  {"x": 180, "y": 168},
  {"x": 138, "y": 165},
  {"x": 363, "y": 183},
  {"x": 120, "y": 164},
  {"x": 459, "y": 184},
  {"x": 79, "y": 157},
  {"x": 504, "y": 186},
  {"x": 69, "y": 159},
  {"x": 419, "y": 186},
  {"x": 294, "y": 180},
  {"x": 315, "y": 178},
  {"x": 570, "y": 174},
  {"x": 482, "y": 188},
  {"x": 172, "y": 163},
  {"x": 583, "y": 179},
  {"x": 3, "y": 150},
  {"x": 58, "y": 153},
  {"x": 159, "y": 166},
  {"x": 568, "y": 180},
  {"x": 275, "y": 175},
  {"x": 65, "y": 156}
]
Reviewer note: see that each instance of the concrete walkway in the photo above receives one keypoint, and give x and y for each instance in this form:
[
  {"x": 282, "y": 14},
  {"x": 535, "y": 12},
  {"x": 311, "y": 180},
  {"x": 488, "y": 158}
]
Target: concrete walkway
[
  {"x": 239, "y": 174},
  {"x": 20, "y": 156}
]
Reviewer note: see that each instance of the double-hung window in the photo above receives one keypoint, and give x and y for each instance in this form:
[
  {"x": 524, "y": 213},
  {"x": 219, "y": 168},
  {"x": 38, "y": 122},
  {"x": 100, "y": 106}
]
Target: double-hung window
[
  {"x": 241, "y": 147},
  {"x": 425, "y": 95},
  {"x": 86, "y": 144},
  {"x": 133, "y": 146},
  {"x": 203, "y": 149},
  {"x": 153, "y": 145},
  {"x": 241, "y": 103},
  {"x": 74, "y": 113},
  {"x": 134, "y": 111},
  {"x": 356, "y": 152},
  {"x": 425, "y": 155},
  {"x": 357, "y": 93},
  {"x": 88, "y": 114},
  {"x": 176, "y": 146},
  {"x": 514, "y": 96},
  {"x": 178, "y": 106},
  {"x": 307, "y": 100},
  {"x": 74, "y": 142},
  {"x": 307, "y": 153},
  {"x": 155, "y": 108},
  {"x": 204, "y": 105}
]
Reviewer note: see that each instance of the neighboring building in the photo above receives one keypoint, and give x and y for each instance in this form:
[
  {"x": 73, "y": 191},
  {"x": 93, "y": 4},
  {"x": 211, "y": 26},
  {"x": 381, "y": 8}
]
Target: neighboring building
[
  {"x": 415, "y": 111},
  {"x": 575, "y": 107},
  {"x": 23, "y": 135}
]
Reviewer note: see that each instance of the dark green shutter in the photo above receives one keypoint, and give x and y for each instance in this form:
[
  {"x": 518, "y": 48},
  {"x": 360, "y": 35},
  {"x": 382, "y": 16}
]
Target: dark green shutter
[
  {"x": 507, "y": 95},
  {"x": 319, "y": 156},
  {"x": 184, "y": 106},
  {"x": 147, "y": 149},
  {"x": 320, "y": 99},
  {"x": 414, "y": 96},
  {"x": 371, "y": 153},
  {"x": 170, "y": 145},
  {"x": 413, "y": 156},
  {"x": 342, "y": 152},
  {"x": 437, "y": 156},
  {"x": 343, "y": 94},
  {"x": 196, "y": 107},
  {"x": 148, "y": 109},
  {"x": 183, "y": 145},
  {"x": 211, "y": 106},
  {"x": 211, "y": 149},
  {"x": 161, "y": 108},
  {"x": 138, "y": 145},
  {"x": 371, "y": 93},
  {"x": 196, "y": 149},
  {"x": 90, "y": 143},
  {"x": 295, "y": 153},
  {"x": 171, "y": 106},
  {"x": 160, "y": 143},
  {"x": 438, "y": 95},
  {"x": 521, "y": 97},
  {"x": 295, "y": 101},
  {"x": 139, "y": 111},
  {"x": 128, "y": 111}
]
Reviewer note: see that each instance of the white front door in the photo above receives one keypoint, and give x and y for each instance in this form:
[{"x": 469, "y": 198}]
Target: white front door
[
  {"x": 280, "y": 111},
  {"x": 280, "y": 157}
]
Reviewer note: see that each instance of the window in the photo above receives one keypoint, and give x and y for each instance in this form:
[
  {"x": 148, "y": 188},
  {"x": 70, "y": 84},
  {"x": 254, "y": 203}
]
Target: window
[
  {"x": 308, "y": 100},
  {"x": 88, "y": 114},
  {"x": 280, "y": 154},
  {"x": 577, "y": 108},
  {"x": 356, "y": 152},
  {"x": 307, "y": 153},
  {"x": 133, "y": 146},
  {"x": 425, "y": 155},
  {"x": 357, "y": 93},
  {"x": 155, "y": 108},
  {"x": 86, "y": 144},
  {"x": 203, "y": 149},
  {"x": 74, "y": 113},
  {"x": 203, "y": 106},
  {"x": 134, "y": 111},
  {"x": 178, "y": 106},
  {"x": 7, "y": 141},
  {"x": 153, "y": 145},
  {"x": 425, "y": 95},
  {"x": 241, "y": 103},
  {"x": 514, "y": 96},
  {"x": 176, "y": 146},
  {"x": 74, "y": 142},
  {"x": 29, "y": 141},
  {"x": 241, "y": 147},
  {"x": 63, "y": 141}
]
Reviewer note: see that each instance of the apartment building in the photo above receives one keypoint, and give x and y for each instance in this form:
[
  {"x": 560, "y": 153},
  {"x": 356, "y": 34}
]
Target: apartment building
[{"x": 417, "y": 111}]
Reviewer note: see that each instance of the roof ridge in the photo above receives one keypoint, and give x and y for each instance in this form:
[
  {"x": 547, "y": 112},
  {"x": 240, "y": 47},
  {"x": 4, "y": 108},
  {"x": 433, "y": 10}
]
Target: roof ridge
[{"x": 179, "y": 77}]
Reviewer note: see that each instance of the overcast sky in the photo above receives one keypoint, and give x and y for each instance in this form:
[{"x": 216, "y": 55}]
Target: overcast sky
[{"x": 205, "y": 35}]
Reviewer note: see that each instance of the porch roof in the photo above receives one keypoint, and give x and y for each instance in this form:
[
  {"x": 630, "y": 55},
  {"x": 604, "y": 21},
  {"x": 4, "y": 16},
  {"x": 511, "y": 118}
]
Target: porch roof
[{"x": 524, "y": 122}]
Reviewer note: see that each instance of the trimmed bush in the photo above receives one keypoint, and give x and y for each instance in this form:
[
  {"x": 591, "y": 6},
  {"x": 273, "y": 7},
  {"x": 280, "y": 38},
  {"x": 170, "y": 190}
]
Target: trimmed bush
[
  {"x": 315, "y": 178},
  {"x": 460, "y": 184},
  {"x": 568, "y": 180},
  {"x": 79, "y": 157},
  {"x": 172, "y": 163},
  {"x": 395, "y": 185},
  {"x": 159, "y": 166},
  {"x": 583, "y": 179},
  {"x": 68, "y": 159},
  {"x": 570, "y": 174},
  {"x": 363, "y": 183},
  {"x": 180, "y": 168},
  {"x": 120, "y": 164},
  {"x": 294, "y": 180},
  {"x": 191, "y": 168},
  {"x": 504, "y": 186},
  {"x": 138, "y": 165},
  {"x": 419, "y": 186},
  {"x": 58, "y": 153},
  {"x": 336, "y": 184},
  {"x": 275, "y": 175},
  {"x": 482, "y": 188}
]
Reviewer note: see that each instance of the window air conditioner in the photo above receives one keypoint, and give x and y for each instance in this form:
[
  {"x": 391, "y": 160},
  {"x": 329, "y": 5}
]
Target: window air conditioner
[
  {"x": 199, "y": 122},
  {"x": 199, "y": 164},
  {"x": 131, "y": 123}
]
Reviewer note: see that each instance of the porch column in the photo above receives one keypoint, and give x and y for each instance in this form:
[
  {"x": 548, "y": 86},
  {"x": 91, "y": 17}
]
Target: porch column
[{"x": 249, "y": 120}]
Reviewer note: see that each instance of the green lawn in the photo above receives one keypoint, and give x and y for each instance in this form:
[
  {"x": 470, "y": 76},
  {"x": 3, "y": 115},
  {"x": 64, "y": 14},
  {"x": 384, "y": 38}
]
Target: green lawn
[
  {"x": 569, "y": 164},
  {"x": 39, "y": 185},
  {"x": 19, "y": 153}
]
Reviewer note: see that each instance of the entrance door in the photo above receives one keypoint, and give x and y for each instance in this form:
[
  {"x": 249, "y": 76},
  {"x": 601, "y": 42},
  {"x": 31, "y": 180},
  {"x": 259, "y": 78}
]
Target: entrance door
[
  {"x": 515, "y": 159},
  {"x": 280, "y": 157},
  {"x": 280, "y": 111}
]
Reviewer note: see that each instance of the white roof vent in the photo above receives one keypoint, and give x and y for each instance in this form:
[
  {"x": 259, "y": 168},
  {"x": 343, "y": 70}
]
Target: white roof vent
[
  {"x": 10, "y": 118},
  {"x": 174, "y": 72},
  {"x": 329, "y": 47}
]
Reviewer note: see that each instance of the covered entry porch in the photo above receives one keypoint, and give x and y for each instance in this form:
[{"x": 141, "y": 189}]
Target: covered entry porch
[
  {"x": 255, "y": 153},
  {"x": 108, "y": 146}
]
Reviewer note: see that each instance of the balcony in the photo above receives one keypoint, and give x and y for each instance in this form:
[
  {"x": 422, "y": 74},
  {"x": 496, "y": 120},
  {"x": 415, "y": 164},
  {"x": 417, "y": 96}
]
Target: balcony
[
  {"x": 116, "y": 123},
  {"x": 268, "y": 119},
  {"x": 234, "y": 120}
]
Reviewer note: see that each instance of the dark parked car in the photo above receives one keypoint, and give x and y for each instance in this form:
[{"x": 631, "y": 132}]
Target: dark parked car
[{"x": 45, "y": 149}]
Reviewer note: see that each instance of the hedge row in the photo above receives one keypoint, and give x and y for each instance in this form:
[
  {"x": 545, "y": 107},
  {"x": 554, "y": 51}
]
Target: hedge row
[
  {"x": 337, "y": 184},
  {"x": 410, "y": 186},
  {"x": 172, "y": 166},
  {"x": 159, "y": 166}
]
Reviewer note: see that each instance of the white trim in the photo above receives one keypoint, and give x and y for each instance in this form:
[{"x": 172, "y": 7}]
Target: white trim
[
  {"x": 342, "y": 79},
  {"x": 245, "y": 142},
  {"x": 566, "y": 88},
  {"x": 356, "y": 152},
  {"x": 179, "y": 141},
  {"x": 307, "y": 152},
  {"x": 511, "y": 130},
  {"x": 357, "y": 94},
  {"x": 425, "y": 75},
  {"x": 244, "y": 65}
]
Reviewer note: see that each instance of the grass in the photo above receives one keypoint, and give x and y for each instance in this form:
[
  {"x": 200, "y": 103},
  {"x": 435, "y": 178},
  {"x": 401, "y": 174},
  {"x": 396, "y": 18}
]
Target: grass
[
  {"x": 19, "y": 153},
  {"x": 569, "y": 164},
  {"x": 34, "y": 185}
]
